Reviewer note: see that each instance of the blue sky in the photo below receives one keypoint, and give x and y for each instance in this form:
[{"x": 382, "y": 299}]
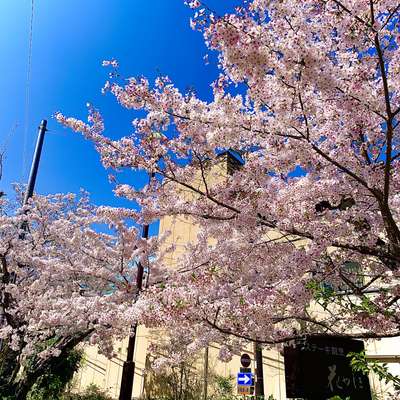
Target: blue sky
[{"x": 70, "y": 40}]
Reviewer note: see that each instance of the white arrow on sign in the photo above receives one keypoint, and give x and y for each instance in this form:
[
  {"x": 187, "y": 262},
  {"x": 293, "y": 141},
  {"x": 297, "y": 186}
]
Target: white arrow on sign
[{"x": 244, "y": 379}]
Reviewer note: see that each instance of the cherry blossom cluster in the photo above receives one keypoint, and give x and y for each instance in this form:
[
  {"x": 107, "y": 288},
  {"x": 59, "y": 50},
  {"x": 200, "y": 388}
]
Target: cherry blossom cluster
[
  {"x": 303, "y": 236},
  {"x": 68, "y": 268}
]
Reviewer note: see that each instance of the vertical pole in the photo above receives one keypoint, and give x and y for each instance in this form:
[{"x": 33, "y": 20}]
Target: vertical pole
[
  {"x": 11, "y": 278},
  {"x": 205, "y": 376},
  {"x": 181, "y": 381},
  {"x": 259, "y": 371},
  {"x": 128, "y": 368},
  {"x": 35, "y": 161}
]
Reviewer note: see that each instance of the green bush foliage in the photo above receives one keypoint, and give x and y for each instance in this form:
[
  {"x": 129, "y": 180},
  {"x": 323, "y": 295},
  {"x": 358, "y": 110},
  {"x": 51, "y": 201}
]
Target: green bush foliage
[
  {"x": 92, "y": 392},
  {"x": 52, "y": 384}
]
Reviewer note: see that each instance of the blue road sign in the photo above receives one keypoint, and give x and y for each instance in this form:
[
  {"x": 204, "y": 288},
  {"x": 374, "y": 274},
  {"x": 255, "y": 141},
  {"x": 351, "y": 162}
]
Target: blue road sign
[{"x": 244, "y": 378}]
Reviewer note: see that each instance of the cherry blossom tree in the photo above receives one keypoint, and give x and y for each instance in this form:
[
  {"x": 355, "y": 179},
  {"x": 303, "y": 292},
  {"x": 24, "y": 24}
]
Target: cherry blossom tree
[
  {"x": 304, "y": 237},
  {"x": 68, "y": 274}
]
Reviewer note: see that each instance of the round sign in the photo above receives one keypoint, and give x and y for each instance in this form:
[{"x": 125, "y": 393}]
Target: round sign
[{"x": 245, "y": 360}]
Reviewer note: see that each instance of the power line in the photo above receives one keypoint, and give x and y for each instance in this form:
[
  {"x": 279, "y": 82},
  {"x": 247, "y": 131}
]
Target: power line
[
  {"x": 3, "y": 148},
  {"x": 10, "y": 134},
  {"x": 27, "y": 93}
]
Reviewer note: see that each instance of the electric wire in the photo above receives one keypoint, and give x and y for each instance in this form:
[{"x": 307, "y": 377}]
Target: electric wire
[
  {"x": 10, "y": 134},
  {"x": 27, "y": 104},
  {"x": 4, "y": 146},
  {"x": 27, "y": 93}
]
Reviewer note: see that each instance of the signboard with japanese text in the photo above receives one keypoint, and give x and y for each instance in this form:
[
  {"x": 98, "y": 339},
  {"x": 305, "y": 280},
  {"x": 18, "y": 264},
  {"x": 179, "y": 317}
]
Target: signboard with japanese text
[{"x": 316, "y": 368}]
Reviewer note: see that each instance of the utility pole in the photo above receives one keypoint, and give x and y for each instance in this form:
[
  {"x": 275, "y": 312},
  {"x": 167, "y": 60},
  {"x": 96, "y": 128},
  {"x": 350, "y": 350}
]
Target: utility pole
[
  {"x": 128, "y": 369},
  {"x": 259, "y": 370},
  {"x": 28, "y": 194},
  {"x": 205, "y": 374},
  {"x": 35, "y": 161}
]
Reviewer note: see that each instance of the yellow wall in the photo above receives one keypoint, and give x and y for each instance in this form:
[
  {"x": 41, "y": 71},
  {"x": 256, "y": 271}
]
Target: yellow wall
[{"x": 106, "y": 373}]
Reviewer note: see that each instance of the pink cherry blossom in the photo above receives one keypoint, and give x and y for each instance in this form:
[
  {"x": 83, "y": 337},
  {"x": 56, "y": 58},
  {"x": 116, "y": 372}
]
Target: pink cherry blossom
[
  {"x": 74, "y": 270},
  {"x": 308, "y": 96}
]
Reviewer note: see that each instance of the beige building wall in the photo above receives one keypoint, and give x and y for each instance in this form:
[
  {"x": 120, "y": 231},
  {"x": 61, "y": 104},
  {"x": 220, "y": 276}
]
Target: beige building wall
[
  {"x": 385, "y": 351},
  {"x": 107, "y": 373}
]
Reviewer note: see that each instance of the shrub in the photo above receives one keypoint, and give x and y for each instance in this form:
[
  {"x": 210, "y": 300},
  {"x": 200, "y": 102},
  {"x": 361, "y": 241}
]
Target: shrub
[
  {"x": 92, "y": 392},
  {"x": 52, "y": 384}
]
